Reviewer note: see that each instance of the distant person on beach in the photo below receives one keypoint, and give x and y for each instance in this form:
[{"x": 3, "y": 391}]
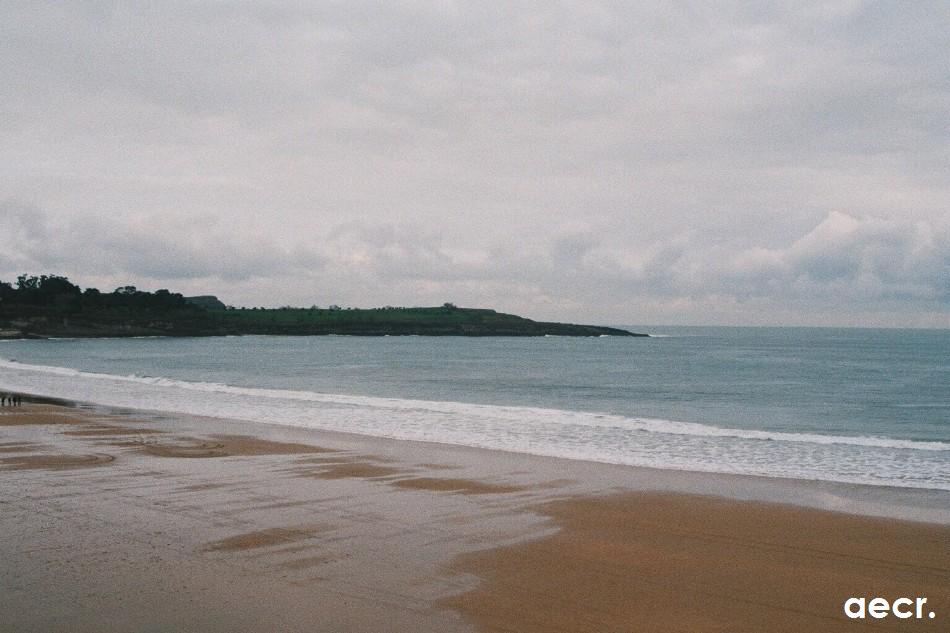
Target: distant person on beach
[{"x": 3, "y": 399}]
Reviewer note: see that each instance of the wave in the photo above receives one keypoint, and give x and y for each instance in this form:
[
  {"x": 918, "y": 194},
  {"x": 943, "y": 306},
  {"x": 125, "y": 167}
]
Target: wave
[
  {"x": 514, "y": 414},
  {"x": 924, "y": 405}
]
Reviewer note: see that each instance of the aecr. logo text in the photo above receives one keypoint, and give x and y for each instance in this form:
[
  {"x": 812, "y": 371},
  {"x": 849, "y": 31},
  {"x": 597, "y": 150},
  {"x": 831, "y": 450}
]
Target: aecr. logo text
[{"x": 903, "y": 608}]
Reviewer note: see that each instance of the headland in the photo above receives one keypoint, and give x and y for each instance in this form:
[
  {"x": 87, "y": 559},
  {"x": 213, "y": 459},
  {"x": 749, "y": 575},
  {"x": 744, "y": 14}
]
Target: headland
[{"x": 51, "y": 306}]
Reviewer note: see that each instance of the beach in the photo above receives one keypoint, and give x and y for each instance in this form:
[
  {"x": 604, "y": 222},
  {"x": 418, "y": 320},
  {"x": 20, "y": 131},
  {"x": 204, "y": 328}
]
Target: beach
[{"x": 121, "y": 520}]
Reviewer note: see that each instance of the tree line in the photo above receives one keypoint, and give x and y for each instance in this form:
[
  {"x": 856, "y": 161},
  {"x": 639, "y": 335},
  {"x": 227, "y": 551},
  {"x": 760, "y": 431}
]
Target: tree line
[{"x": 58, "y": 293}]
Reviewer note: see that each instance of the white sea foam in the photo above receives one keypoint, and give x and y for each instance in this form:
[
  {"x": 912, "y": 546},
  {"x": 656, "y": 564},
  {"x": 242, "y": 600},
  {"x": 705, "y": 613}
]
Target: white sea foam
[{"x": 562, "y": 433}]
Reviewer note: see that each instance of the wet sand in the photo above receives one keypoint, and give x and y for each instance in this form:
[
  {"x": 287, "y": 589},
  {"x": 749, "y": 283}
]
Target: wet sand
[{"x": 145, "y": 522}]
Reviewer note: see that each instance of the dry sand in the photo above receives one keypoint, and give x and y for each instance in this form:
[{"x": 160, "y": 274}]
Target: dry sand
[
  {"x": 140, "y": 523},
  {"x": 661, "y": 562}
]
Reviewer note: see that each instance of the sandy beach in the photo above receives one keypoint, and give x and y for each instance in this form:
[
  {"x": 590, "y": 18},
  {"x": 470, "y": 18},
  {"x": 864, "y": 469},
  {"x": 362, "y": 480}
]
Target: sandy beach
[{"x": 135, "y": 521}]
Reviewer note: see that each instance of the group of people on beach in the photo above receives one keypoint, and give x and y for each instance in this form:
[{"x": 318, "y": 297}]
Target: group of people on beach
[{"x": 12, "y": 399}]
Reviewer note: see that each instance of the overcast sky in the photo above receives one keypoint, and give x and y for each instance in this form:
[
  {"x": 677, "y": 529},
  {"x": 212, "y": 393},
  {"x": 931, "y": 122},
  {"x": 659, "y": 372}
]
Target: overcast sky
[{"x": 619, "y": 163}]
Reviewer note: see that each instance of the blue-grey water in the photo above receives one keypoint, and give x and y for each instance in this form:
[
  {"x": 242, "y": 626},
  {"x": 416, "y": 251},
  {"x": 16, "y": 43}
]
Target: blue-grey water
[{"x": 850, "y": 405}]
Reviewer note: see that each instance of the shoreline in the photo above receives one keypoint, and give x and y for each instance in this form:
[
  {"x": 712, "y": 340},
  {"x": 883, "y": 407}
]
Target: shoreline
[
  {"x": 149, "y": 518},
  {"x": 918, "y": 504},
  {"x": 752, "y": 459}
]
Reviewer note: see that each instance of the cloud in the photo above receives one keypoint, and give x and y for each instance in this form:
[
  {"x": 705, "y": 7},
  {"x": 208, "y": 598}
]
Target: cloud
[
  {"x": 845, "y": 258},
  {"x": 599, "y": 160},
  {"x": 24, "y": 233},
  {"x": 166, "y": 248},
  {"x": 841, "y": 260}
]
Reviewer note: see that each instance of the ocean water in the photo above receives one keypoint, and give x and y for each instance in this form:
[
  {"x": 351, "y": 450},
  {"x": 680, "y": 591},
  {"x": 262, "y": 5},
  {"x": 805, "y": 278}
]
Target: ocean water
[{"x": 845, "y": 405}]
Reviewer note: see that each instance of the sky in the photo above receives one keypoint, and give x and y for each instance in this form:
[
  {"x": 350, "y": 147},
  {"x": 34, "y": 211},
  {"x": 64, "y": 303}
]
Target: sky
[{"x": 602, "y": 162}]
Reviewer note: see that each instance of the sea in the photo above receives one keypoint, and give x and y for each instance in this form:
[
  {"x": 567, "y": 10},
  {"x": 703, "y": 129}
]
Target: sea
[{"x": 862, "y": 406}]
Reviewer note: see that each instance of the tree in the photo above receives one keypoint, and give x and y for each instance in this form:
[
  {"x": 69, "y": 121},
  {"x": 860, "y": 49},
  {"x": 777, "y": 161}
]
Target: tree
[
  {"x": 51, "y": 285},
  {"x": 92, "y": 297},
  {"x": 45, "y": 290},
  {"x": 27, "y": 282}
]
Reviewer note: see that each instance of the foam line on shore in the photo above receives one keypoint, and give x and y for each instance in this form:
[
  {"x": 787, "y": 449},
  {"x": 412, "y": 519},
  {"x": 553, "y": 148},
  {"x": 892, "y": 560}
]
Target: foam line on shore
[
  {"x": 514, "y": 413},
  {"x": 581, "y": 435}
]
